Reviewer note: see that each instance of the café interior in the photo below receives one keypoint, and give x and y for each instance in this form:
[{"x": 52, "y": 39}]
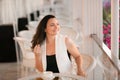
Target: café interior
[{"x": 80, "y": 20}]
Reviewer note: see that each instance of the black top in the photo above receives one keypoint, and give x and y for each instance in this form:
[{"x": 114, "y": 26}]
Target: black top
[{"x": 52, "y": 64}]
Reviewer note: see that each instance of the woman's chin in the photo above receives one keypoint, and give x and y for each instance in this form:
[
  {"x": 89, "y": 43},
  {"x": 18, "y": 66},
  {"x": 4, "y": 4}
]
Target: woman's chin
[{"x": 55, "y": 33}]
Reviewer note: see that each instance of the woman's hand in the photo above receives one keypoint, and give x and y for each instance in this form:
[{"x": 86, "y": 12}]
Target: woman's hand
[
  {"x": 37, "y": 50},
  {"x": 81, "y": 73},
  {"x": 38, "y": 60}
]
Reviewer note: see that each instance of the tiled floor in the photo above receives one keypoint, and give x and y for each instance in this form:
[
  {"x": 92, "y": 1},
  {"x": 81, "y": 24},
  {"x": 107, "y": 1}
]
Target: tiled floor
[{"x": 10, "y": 71}]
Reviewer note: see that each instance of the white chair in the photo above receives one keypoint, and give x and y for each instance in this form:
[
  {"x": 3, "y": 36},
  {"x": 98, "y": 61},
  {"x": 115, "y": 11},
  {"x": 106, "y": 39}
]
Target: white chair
[
  {"x": 27, "y": 56},
  {"x": 88, "y": 63},
  {"x": 27, "y": 34},
  {"x": 33, "y": 25},
  {"x": 108, "y": 69},
  {"x": 63, "y": 21},
  {"x": 70, "y": 32}
]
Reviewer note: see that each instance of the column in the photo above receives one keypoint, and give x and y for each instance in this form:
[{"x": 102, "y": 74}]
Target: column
[{"x": 115, "y": 30}]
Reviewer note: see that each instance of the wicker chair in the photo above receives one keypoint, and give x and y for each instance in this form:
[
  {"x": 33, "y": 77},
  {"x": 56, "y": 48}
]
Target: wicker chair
[{"x": 27, "y": 56}]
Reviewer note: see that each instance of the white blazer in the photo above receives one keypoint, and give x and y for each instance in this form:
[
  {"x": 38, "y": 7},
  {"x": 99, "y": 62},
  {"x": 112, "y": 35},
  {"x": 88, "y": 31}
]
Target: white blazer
[{"x": 63, "y": 62}]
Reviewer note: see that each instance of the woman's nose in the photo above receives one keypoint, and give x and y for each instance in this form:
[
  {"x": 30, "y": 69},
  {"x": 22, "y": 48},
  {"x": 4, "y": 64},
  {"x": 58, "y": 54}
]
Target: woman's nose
[{"x": 56, "y": 26}]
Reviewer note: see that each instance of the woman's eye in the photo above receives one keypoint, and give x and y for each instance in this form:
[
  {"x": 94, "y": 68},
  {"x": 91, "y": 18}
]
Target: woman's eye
[{"x": 52, "y": 25}]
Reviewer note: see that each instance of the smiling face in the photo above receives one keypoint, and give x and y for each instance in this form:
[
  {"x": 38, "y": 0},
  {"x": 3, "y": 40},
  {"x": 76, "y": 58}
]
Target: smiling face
[{"x": 52, "y": 27}]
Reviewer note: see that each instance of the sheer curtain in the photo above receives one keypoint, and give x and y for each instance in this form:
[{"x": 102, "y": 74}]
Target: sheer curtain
[
  {"x": 10, "y": 10},
  {"x": 33, "y": 5},
  {"x": 20, "y": 8},
  {"x": 7, "y": 11},
  {"x": 27, "y": 6}
]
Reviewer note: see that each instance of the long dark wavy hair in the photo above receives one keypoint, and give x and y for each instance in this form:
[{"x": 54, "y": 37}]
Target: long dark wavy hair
[{"x": 40, "y": 34}]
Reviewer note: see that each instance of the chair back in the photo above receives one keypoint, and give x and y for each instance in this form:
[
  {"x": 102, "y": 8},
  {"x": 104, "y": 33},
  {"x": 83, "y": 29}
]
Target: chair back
[
  {"x": 25, "y": 47},
  {"x": 22, "y": 22},
  {"x": 33, "y": 25},
  {"x": 70, "y": 32},
  {"x": 27, "y": 34},
  {"x": 7, "y": 44},
  {"x": 88, "y": 63},
  {"x": 107, "y": 66},
  {"x": 32, "y": 16},
  {"x": 105, "y": 63}
]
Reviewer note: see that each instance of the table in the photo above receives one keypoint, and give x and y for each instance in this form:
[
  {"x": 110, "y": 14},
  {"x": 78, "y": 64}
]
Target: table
[{"x": 57, "y": 76}]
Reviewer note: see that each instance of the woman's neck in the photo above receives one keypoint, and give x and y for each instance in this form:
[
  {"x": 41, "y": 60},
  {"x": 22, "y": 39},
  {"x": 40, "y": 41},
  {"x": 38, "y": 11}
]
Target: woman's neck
[{"x": 50, "y": 39}]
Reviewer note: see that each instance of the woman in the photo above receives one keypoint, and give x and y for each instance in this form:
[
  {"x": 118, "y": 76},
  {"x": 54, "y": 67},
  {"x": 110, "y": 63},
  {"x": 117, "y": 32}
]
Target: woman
[{"x": 50, "y": 48}]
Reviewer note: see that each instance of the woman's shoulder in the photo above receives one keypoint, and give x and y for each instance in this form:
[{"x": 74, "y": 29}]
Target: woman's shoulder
[
  {"x": 65, "y": 38},
  {"x": 62, "y": 36}
]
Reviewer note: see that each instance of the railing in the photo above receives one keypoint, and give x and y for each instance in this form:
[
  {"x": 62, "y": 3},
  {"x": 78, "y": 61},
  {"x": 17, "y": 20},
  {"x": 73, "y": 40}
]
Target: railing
[{"x": 105, "y": 50}]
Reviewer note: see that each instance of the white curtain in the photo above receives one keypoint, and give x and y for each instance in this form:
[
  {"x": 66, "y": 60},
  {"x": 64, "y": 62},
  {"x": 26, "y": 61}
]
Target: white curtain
[
  {"x": 33, "y": 5},
  {"x": 10, "y": 10},
  {"x": 7, "y": 11},
  {"x": 20, "y": 8}
]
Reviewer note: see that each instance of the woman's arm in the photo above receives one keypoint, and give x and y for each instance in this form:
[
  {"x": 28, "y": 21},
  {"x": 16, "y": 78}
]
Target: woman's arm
[
  {"x": 78, "y": 61},
  {"x": 38, "y": 58},
  {"x": 73, "y": 50}
]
